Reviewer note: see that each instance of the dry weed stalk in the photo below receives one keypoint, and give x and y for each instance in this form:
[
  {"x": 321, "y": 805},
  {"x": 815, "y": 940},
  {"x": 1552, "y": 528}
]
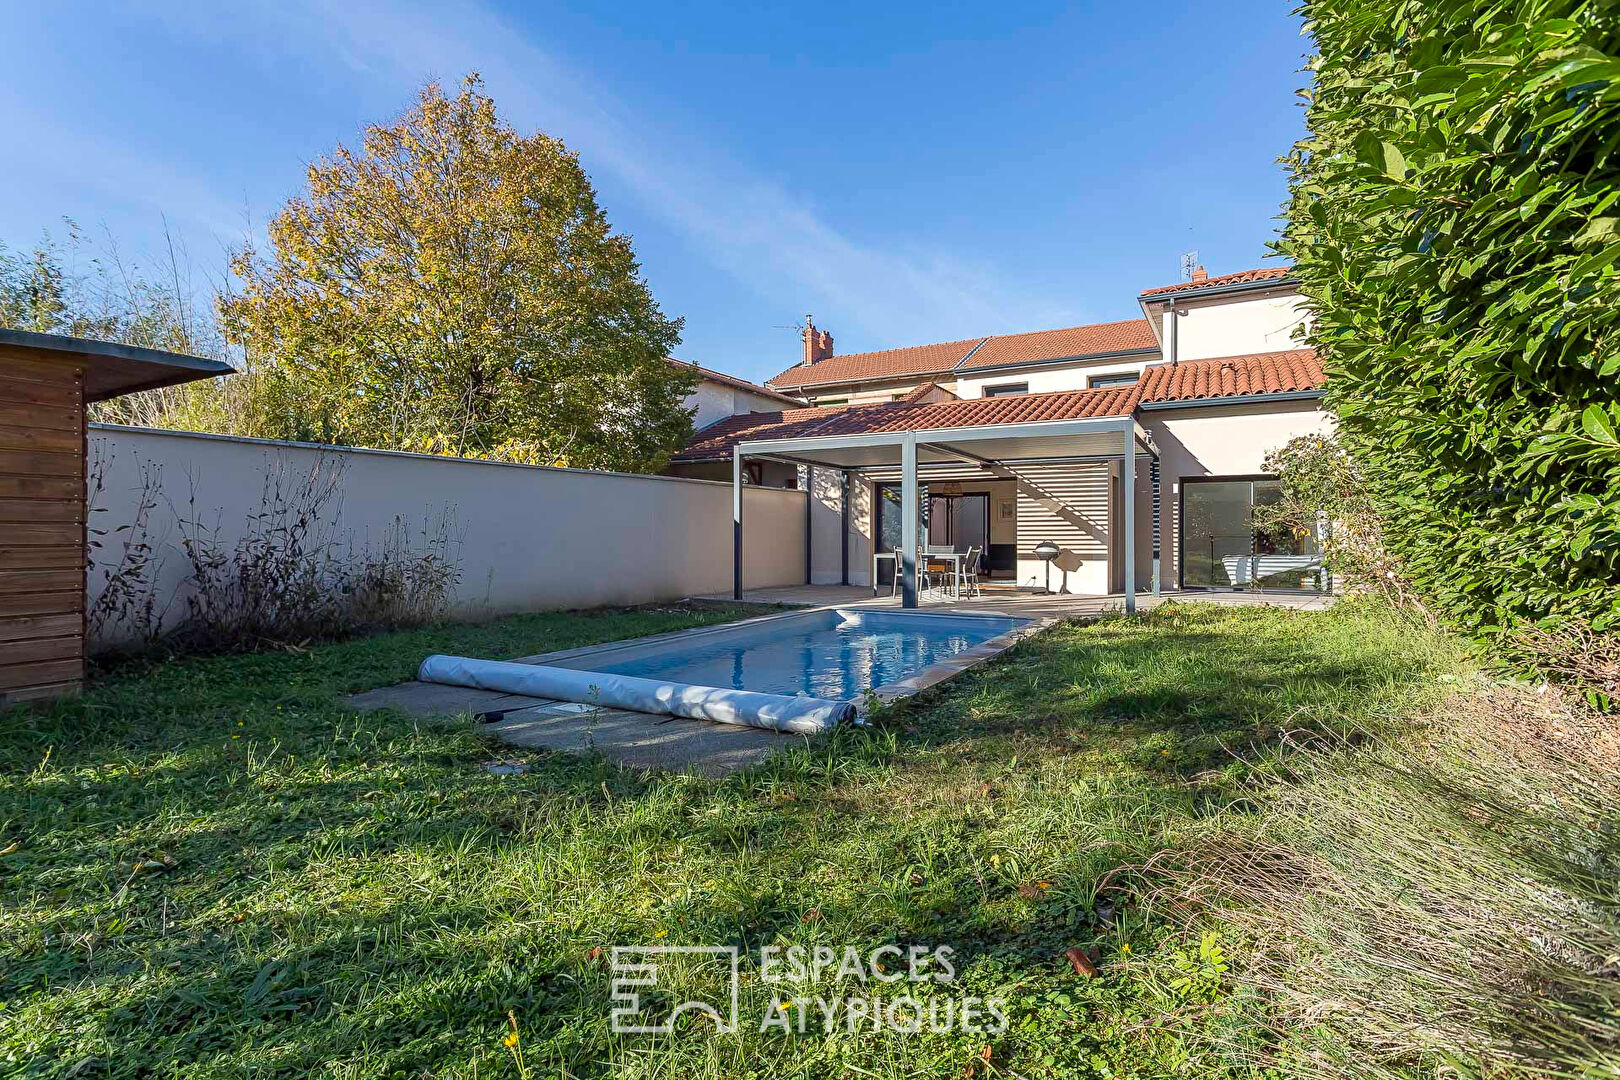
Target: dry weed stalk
[
  {"x": 1442, "y": 897},
  {"x": 288, "y": 576}
]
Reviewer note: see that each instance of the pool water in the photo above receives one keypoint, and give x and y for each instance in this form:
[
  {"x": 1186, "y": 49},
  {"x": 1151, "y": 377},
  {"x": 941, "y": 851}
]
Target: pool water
[{"x": 837, "y": 654}]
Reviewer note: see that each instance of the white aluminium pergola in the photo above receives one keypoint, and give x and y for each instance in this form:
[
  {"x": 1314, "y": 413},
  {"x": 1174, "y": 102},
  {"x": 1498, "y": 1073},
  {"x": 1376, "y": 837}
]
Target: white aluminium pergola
[{"x": 989, "y": 446}]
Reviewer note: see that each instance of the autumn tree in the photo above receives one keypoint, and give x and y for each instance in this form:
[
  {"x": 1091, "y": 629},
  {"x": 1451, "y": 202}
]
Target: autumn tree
[{"x": 453, "y": 287}]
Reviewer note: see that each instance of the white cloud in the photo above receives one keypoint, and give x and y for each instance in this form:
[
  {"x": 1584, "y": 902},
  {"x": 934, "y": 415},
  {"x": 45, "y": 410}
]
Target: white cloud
[{"x": 750, "y": 227}]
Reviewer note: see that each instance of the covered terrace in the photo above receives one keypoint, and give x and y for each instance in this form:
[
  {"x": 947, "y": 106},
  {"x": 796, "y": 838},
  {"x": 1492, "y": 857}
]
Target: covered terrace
[{"x": 930, "y": 442}]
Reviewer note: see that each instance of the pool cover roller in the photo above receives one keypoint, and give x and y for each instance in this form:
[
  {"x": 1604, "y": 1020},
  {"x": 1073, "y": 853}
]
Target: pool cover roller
[{"x": 774, "y": 712}]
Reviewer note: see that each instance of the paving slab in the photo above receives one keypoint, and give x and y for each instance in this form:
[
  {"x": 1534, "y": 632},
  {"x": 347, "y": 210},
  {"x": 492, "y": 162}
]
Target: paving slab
[
  {"x": 434, "y": 699},
  {"x": 637, "y": 740},
  {"x": 641, "y": 740}
]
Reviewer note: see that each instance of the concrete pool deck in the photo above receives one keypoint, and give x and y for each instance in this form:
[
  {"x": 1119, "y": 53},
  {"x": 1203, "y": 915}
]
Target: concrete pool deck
[{"x": 637, "y": 740}]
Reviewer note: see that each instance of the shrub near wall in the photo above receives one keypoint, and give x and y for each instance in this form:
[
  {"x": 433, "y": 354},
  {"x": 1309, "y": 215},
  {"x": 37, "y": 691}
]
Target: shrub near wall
[{"x": 1455, "y": 222}]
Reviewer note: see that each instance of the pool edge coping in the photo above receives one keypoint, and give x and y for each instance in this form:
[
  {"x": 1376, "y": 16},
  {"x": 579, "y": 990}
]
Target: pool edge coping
[{"x": 944, "y": 670}]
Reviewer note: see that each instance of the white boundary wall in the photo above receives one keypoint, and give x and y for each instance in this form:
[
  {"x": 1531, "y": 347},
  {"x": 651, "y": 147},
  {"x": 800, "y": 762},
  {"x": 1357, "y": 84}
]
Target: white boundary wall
[{"x": 525, "y": 538}]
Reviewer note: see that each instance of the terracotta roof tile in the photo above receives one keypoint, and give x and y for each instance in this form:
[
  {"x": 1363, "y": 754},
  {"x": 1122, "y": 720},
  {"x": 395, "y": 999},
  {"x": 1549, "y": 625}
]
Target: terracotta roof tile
[
  {"x": 717, "y": 440},
  {"x": 976, "y": 412},
  {"x": 1191, "y": 380},
  {"x": 971, "y": 354},
  {"x": 1233, "y": 376},
  {"x": 1063, "y": 344},
  {"x": 916, "y": 360},
  {"x": 925, "y": 389},
  {"x": 1242, "y": 277}
]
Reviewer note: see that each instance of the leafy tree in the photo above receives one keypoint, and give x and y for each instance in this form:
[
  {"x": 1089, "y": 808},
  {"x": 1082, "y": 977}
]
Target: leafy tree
[
  {"x": 1320, "y": 482},
  {"x": 88, "y": 289},
  {"x": 33, "y": 291},
  {"x": 453, "y": 287},
  {"x": 1455, "y": 223}
]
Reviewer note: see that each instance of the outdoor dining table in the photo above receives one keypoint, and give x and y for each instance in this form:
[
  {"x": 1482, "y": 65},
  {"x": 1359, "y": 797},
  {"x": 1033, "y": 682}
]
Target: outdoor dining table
[{"x": 955, "y": 558}]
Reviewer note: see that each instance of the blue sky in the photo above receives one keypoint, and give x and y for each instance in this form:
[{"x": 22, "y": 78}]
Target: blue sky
[{"x": 906, "y": 172}]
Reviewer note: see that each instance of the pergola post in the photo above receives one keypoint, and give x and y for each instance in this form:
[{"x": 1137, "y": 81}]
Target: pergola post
[
  {"x": 1128, "y": 507},
  {"x": 736, "y": 524},
  {"x": 1153, "y": 474},
  {"x": 907, "y": 561},
  {"x": 809, "y": 522},
  {"x": 843, "y": 513}
]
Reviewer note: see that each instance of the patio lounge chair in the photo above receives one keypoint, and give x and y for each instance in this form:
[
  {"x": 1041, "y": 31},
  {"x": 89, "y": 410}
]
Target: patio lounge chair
[{"x": 1253, "y": 569}]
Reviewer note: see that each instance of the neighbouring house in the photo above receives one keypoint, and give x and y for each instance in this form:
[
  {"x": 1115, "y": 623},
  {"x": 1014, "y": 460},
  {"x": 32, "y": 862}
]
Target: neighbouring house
[
  {"x": 1008, "y": 441},
  {"x": 719, "y": 395}
]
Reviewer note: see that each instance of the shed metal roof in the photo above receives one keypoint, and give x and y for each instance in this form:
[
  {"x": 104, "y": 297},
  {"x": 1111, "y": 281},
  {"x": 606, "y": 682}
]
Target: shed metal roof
[{"x": 112, "y": 369}]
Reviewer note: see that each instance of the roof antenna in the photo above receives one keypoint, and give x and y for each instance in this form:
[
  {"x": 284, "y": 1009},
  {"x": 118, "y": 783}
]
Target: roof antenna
[{"x": 1189, "y": 263}]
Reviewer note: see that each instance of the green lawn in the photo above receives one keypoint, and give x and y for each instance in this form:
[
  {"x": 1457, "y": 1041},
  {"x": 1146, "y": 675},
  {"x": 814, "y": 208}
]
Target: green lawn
[{"x": 355, "y": 896}]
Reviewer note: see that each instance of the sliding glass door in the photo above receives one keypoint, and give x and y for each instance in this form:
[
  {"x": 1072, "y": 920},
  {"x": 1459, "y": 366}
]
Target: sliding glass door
[
  {"x": 1221, "y": 548},
  {"x": 954, "y": 521},
  {"x": 958, "y": 521}
]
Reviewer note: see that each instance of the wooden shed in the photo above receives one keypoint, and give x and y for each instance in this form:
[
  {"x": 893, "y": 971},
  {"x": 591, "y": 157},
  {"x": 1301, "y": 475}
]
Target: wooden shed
[{"x": 46, "y": 381}]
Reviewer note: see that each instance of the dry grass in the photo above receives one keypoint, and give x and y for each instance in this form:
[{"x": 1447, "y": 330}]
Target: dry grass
[{"x": 1440, "y": 903}]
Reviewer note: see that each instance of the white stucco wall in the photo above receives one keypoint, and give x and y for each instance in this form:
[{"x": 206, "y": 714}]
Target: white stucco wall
[
  {"x": 1210, "y": 440},
  {"x": 525, "y": 538},
  {"x": 716, "y": 401},
  {"x": 1235, "y": 325},
  {"x": 877, "y": 391},
  {"x": 1049, "y": 379},
  {"x": 826, "y": 525}
]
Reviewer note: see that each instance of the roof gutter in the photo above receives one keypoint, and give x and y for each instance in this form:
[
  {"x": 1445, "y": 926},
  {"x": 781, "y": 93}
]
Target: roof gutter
[
  {"x": 1236, "y": 399},
  {"x": 903, "y": 376},
  {"x": 1217, "y": 290},
  {"x": 1057, "y": 361}
]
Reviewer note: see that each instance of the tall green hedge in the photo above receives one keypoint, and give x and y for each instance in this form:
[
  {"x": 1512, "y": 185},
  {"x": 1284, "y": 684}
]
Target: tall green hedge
[{"x": 1455, "y": 220}]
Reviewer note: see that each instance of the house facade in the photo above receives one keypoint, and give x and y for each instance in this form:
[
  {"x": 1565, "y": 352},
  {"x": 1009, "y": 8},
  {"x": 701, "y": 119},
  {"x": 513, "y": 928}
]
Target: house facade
[
  {"x": 1207, "y": 382},
  {"x": 719, "y": 395}
]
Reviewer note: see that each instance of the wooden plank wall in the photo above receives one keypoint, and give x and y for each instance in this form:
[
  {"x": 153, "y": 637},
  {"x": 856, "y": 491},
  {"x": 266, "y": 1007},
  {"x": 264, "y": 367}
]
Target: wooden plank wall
[{"x": 42, "y": 525}]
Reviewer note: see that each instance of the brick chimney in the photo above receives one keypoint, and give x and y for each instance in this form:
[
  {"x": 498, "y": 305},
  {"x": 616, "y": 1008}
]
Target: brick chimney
[
  {"x": 1199, "y": 275},
  {"x": 818, "y": 344}
]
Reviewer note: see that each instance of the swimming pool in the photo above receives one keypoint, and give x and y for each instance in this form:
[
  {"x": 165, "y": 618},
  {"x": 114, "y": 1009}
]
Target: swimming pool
[{"x": 835, "y": 654}]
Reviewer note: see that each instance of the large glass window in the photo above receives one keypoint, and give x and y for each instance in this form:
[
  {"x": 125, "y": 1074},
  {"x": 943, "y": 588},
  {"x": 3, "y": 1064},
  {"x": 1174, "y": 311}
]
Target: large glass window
[
  {"x": 1221, "y": 548},
  {"x": 889, "y": 518}
]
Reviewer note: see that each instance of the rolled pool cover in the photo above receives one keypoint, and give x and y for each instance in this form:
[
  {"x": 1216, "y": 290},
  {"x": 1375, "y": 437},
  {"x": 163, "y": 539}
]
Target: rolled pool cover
[{"x": 774, "y": 712}]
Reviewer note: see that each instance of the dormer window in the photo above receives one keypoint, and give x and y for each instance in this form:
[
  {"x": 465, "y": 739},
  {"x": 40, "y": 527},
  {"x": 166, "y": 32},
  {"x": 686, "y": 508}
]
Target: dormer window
[{"x": 1006, "y": 388}]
